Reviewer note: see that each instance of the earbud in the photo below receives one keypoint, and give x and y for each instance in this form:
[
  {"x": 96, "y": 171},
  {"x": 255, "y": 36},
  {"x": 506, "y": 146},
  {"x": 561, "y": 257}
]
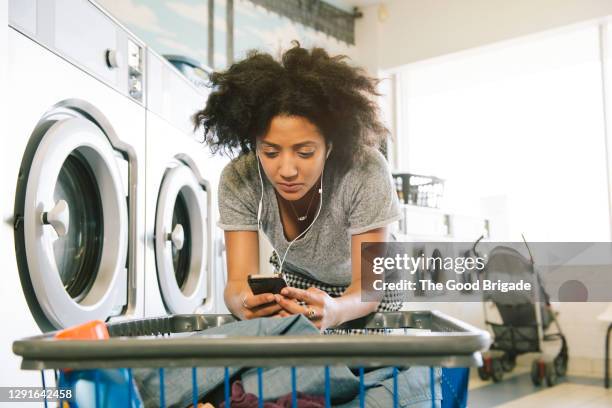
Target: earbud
[{"x": 329, "y": 149}]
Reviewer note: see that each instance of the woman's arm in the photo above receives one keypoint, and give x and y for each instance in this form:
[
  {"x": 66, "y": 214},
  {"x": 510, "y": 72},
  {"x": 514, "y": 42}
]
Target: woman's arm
[
  {"x": 242, "y": 248},
  {"x": 350, "y": 304},
  {"x": 330, "y": 312}
]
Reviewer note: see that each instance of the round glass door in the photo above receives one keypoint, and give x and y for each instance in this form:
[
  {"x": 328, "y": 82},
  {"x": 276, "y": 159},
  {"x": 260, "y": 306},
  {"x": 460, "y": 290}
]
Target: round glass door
[
  {"x": 71, "y": 241},
  {"x": 78, "y": 252},
  {"x": 181, "y": 258},
  {"x": 181, "y": 240}
]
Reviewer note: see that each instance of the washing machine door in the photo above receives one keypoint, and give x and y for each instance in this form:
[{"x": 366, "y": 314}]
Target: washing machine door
[
  {"x": 182, "y": 240},
  {"x": 71, "y": 228}
]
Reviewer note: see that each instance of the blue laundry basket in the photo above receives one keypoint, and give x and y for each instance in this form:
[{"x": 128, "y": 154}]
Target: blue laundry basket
[{"x": 99, "y": 372}]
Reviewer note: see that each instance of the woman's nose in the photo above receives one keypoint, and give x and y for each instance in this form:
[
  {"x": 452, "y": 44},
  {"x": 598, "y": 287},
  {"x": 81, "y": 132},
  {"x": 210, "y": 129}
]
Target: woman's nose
[{"x": 288, "y": 169}]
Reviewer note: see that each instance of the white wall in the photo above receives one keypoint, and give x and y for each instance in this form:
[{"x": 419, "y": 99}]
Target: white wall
[
  {"x": 420, "y": 29},
  {"x": 367, "y": 39}
]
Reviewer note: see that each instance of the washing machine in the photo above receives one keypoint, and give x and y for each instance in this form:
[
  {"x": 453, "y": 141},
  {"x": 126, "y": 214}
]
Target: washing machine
[
  {"x": 182, "y": 274},
  {"x": 73, "y": 179}
]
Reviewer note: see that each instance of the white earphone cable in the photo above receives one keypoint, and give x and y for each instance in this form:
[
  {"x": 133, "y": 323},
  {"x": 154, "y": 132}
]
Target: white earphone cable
[
  {"x": 260, "y": 202},
  {"x": 282, "y": 261}
]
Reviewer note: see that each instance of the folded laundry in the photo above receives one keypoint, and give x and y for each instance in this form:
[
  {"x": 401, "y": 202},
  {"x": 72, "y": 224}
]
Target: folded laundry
[{"x": 413, "y": 384}]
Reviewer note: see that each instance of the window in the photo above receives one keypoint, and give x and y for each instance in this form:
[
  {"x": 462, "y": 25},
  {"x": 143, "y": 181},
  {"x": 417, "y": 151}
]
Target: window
[{"x": 517, "y": 131}]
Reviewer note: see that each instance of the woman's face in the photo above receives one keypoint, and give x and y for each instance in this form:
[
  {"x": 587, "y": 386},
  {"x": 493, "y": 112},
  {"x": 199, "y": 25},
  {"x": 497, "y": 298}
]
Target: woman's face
[{"x": 292, "y": 155}]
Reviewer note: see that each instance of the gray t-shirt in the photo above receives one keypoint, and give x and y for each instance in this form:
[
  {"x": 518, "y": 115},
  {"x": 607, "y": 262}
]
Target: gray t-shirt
[{"x": 360, "y": 200}]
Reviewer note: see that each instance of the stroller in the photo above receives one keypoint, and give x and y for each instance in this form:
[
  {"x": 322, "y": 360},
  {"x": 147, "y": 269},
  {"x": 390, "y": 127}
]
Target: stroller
[{"x": 527, "y": 325}]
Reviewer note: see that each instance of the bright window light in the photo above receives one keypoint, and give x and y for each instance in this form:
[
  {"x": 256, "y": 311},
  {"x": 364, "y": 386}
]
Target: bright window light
[{"x": 517, "y": 131}]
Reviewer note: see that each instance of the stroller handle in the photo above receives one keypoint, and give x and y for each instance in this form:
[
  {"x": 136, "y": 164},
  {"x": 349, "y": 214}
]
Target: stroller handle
[{"x": 476, "y": 244}]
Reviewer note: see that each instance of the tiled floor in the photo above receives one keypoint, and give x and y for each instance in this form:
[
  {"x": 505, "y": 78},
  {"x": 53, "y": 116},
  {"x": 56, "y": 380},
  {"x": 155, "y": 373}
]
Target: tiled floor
[{"x": 517, "y": 391}]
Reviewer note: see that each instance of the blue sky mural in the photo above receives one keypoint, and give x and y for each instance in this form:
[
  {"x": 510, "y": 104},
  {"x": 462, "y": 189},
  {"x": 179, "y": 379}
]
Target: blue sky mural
[
  {"x": 180, "y": 27},
  {"x": 257, "y": 28},
  {"x": 167, "y": 26}
]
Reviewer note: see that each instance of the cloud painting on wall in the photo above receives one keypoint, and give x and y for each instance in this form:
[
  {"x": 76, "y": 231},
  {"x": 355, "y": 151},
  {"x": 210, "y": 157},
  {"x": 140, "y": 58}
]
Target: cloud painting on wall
[
  {"x": 167, "y": 26},
  {"x": 180, "y": 27},
  {"x": 257, "y": 28}
]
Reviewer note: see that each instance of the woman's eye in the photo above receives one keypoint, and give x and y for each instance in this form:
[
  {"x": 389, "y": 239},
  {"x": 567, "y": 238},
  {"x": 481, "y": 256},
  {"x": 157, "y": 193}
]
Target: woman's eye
[
  {"x": 271, "y": 154},
  {"x": 305, "y": 154}
]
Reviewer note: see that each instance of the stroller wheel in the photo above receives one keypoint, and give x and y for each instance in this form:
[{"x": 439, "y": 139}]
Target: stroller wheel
[
  {"x": 508, "y": 362},
  {"x": 483, "y": 373},
  {"x": 536, "y": 373},
  {"x": 560, "y": 363},
  {"x": 497, "y": 370},
  {"x": 551, "y": 374}
]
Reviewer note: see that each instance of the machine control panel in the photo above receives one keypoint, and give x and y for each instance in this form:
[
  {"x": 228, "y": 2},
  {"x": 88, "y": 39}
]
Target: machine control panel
[
  {"x": 110, "y": 53},
  {"x": 135, "y": 70}
]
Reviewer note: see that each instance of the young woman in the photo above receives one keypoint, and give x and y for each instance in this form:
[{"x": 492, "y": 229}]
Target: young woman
[{"x": 309, "y": 175}]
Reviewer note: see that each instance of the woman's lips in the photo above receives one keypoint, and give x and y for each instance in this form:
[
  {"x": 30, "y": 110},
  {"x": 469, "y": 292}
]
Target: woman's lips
[{"x": 289, "y": 188}]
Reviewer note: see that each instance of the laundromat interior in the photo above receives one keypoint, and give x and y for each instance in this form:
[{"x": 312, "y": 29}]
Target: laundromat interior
[{"x": 476, "y": 137}]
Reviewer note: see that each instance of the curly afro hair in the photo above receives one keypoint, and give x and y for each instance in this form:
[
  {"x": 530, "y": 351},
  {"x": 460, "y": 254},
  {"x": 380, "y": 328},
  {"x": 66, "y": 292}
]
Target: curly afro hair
[{"x": 333, "y": 95}]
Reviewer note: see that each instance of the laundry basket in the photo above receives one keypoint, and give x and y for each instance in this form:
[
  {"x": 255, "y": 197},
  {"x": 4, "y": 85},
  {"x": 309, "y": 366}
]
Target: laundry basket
[{"x": 396, "y": 339}]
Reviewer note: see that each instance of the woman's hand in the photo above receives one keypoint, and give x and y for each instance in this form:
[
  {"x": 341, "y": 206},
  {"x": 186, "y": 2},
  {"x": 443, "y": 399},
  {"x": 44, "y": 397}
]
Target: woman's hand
[
  {"x": 320, "y": 308},
  {"x": 254, "y": 306}
]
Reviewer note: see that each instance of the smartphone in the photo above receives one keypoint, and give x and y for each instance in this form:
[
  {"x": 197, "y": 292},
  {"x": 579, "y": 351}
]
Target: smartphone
[{"x": 266, "y": 284}]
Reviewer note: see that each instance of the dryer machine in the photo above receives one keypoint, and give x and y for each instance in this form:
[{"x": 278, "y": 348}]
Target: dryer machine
[
  {"x": 180, "y": 190},
  {"x": 74, "y": 152}
]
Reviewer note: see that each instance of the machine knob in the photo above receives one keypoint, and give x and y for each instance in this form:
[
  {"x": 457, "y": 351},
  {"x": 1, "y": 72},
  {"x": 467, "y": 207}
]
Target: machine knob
[
  {"x": 136, "y": 88},
  {"x": 113, "y": 60},
  {"x": 177, "y": 236},
  {"x": 58, "y": 218}
]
